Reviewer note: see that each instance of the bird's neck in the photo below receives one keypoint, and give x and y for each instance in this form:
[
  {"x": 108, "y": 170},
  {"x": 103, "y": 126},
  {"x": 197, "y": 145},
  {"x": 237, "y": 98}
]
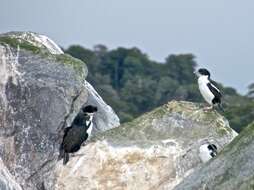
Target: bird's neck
[
  {"x": 203, "y": 79},
  {"x": 89, "y": 120}
]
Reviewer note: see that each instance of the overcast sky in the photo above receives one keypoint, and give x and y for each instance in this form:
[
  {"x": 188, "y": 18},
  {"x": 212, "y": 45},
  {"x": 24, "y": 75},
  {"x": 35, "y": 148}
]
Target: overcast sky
[{"x": 219, "y": 32}]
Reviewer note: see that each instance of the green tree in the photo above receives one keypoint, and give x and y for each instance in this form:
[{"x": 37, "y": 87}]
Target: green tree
[
  {"x": 133, "y": 84},
  {"x": 251, "y": 91},
  {"x": 181, "y": 67}
]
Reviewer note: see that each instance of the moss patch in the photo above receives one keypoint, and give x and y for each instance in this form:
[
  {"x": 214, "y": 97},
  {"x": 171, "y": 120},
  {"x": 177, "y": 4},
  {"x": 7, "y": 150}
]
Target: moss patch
[
  {"x": 144, "y": 129},
  {"x": 245, "y": 137},
  {"x": 15, "y": 42},
  {"x": 222, "y": 131},
  {"x": 76, "y": 64}
]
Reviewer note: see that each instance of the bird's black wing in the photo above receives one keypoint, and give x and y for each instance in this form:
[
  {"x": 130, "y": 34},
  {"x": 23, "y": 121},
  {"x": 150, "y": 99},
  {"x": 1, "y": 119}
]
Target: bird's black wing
[
  {"x": 61, "y": 149},
  {"x": 87, "y": 125},
  {"x": 84, "y": 137},
  {"x": 66, "y": 130},
  {"x": 73, "y": 138},
  {"x": 212, "y": 147},
  {"x": 214, "y": 90}
]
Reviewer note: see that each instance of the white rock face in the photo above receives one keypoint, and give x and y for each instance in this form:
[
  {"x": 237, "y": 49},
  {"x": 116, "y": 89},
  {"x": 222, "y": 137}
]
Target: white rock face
[
  {"x": 105, "y": 118},
  {"x": 101, "y": 166},
  {"x": 155, "y": 151},
  {"x": 7, "y": 181},
  {"x": 48, "y": 43}
]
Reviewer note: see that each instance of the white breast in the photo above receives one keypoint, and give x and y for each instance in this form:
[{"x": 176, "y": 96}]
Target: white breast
[
  {"x": 89, "y": 130},
  {"x": 204, "y": 153},
  {"x": 204, "y": 90}
]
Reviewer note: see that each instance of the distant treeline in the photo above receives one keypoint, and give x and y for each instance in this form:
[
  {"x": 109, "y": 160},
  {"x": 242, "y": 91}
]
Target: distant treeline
[{"x": 133, "y": 84}]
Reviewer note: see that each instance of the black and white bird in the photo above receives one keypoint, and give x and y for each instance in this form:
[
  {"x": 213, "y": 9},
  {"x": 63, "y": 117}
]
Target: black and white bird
[
  {"x": 208, "y": 90},
  {"x": 77, "y": 133},
  {"x": 207, "y": 151}
]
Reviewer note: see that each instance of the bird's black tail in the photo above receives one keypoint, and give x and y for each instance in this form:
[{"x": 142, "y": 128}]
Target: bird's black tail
[
  {"x": 220, "y": 107},
  {"x": 61, "y": 152},
  {"x": 65, "y": 158},
  {"x": 63, "y": 155}
]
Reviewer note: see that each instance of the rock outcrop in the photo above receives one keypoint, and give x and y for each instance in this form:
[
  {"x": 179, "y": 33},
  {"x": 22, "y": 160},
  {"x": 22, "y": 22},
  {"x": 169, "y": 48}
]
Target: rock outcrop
[
  {"x": 155, "y": 151},
  {"x": 232, "y": 169},
  {"x": 41, "y": 91},
  {"x": 36, "y": 40}
]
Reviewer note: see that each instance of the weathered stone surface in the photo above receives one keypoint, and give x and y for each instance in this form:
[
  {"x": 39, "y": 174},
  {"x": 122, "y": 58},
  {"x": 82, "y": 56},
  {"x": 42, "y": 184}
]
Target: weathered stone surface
[
  {"x": 7, "y": 181},
  {"x": 232, "y": 169},
  {"x": 41, "y": 91},
  {"x": 154, "y": 151}
]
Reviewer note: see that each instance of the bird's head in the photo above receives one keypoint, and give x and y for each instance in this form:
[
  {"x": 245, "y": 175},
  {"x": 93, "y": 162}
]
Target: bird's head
[
  {"x": 202, "y": 72},
  {"x": 213, "y": 149},
  {"x": 89, "y": 110}
]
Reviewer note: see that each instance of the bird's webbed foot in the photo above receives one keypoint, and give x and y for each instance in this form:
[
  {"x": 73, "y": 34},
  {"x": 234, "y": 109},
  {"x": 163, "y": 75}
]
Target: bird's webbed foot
[
  {"x": 208, "y": 108},
  {"x": 84, "y": 144}
]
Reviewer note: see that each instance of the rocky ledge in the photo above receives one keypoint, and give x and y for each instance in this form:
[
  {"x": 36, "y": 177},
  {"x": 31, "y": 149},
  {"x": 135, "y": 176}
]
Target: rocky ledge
[{"x": 155, "y": 151}]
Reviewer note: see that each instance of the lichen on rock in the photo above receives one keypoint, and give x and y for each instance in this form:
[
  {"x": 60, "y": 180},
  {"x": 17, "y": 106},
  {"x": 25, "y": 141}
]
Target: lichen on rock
[
  {"x": 44, "y": 48},
  {"x": 30, "y": 41}
]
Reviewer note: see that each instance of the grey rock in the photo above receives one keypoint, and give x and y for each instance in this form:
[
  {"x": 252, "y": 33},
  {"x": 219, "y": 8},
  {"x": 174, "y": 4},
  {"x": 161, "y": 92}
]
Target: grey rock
[
  {"x": 232, "y": 169},
  {"x": 155, "y": 151},
  {"x": 41, "y": 91}
]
